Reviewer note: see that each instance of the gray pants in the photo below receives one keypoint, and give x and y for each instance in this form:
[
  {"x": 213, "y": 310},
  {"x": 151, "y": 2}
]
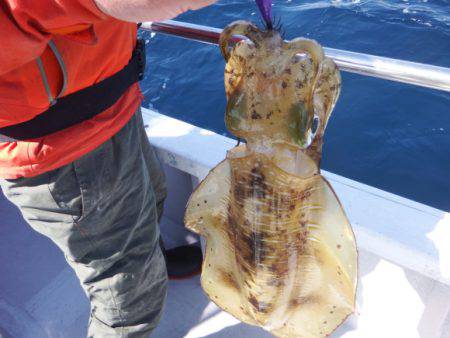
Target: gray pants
[{"x": 101, "y": 211}]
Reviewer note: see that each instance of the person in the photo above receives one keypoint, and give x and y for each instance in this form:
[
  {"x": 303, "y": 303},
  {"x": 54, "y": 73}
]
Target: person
[{"x": 74, "y": 155}]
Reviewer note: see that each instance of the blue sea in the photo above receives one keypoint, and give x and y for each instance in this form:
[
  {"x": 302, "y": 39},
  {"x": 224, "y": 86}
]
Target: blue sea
[{"x": 389, "y": 135}]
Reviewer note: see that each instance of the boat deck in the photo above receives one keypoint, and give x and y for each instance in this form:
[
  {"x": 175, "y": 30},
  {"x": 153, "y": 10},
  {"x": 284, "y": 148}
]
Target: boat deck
[{"x": 40, "y": 295}]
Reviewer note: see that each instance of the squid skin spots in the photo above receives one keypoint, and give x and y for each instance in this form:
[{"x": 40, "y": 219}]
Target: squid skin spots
[{"x": 229, "y": 280}]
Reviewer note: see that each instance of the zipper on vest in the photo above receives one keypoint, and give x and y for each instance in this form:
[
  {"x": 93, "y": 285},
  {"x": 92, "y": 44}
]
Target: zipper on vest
[{"x": 44, "y": 77}]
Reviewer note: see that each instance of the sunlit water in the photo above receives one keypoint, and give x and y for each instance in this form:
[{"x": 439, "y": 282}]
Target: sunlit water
[{"x": 389, "y": 135}]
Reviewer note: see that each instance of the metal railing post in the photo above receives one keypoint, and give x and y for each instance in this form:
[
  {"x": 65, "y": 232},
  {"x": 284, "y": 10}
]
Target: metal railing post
[{"x": 418, "y": 74}]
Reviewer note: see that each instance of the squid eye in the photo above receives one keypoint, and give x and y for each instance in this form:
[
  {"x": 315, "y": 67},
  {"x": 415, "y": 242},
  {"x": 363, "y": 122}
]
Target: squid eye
[{"x": 315, "y": 124}]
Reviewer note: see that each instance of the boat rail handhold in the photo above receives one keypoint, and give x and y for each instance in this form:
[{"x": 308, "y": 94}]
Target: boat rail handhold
[{"x": 418, "y": 74}]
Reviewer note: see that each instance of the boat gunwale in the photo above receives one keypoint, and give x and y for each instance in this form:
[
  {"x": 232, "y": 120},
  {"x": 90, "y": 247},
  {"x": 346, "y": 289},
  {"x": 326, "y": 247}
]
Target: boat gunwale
[{"x": 387, "y": 225}]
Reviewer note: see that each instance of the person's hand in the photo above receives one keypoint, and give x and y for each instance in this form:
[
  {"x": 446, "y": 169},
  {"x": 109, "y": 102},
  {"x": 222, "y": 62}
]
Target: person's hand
[{"x": 149, "y": 10}]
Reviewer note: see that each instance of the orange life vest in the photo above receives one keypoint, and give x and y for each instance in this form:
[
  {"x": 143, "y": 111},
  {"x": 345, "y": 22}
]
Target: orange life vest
[{"x": 92, "y": 47}]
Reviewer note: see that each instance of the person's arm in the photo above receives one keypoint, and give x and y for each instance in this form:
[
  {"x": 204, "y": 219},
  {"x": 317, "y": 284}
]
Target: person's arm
[{"x": 148, "y": 10}]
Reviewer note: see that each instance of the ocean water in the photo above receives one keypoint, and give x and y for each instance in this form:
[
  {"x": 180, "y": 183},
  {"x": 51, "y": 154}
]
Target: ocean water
[{"x": 389, "y": 135}]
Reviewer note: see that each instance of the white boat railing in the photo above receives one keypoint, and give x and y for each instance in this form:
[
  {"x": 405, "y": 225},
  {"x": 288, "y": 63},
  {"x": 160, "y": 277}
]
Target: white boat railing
[
  {"x": 410, "y": 234},
  {"x": 418, "y": 74}
]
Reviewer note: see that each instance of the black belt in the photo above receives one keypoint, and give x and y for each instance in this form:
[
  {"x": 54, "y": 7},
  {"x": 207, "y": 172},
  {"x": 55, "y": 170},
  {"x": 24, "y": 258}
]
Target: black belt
[{"x": 81, "y": 105}]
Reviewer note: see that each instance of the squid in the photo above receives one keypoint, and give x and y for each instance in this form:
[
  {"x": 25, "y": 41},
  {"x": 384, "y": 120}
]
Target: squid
[{"x": 280, "y": 251}]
